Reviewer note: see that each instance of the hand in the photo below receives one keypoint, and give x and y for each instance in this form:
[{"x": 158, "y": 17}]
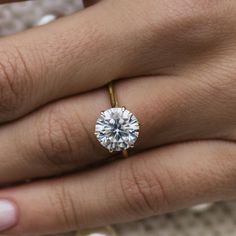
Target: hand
[{"x": 181, "y": 56}]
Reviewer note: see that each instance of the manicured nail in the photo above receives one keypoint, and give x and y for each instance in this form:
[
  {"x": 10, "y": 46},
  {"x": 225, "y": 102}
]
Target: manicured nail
[{"x": 8, "y": 215}]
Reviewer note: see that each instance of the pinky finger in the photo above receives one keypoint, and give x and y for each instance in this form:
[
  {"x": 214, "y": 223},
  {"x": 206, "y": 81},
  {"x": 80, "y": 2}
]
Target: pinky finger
[{"x": 151, "y": 183}]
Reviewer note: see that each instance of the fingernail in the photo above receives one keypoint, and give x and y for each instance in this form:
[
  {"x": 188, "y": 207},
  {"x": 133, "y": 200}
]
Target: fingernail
[{"x": 8, "y": 214}]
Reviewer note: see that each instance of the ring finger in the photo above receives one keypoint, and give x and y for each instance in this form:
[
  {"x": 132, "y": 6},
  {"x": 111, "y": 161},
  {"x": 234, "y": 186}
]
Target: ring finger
[{"x": 59, "y": 137}]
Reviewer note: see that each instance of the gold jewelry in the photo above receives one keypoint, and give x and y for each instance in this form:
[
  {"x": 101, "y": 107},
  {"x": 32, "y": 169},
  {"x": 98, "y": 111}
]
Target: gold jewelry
[{"x": 117, "y": 129}]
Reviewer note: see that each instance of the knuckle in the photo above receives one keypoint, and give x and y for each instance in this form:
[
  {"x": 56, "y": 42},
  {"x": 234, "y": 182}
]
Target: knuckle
[
  {"x": 188, "y": 23},
  {"x": 54, "y": 137},
  {"x": 143, "y": 190},
  {"x": 64, "y": 206},
  {"x": 63, "y": 138},
  {"x": 14, "y": 82},
  {"x": 220, "y": 169},
  {"x": 222, "y": 90},
  {"x": 224, "y": 153},
  {"x": 62, "y": 135}
]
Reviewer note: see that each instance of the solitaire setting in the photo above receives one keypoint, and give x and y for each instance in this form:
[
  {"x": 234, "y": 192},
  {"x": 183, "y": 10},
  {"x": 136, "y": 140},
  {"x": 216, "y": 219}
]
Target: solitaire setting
[{"x": 117, "y": 129}]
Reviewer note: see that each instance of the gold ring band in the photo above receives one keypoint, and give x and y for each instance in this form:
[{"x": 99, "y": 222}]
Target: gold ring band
[
  {"x": 112, "y": 94},
  {"x": 115, "y": 103}
]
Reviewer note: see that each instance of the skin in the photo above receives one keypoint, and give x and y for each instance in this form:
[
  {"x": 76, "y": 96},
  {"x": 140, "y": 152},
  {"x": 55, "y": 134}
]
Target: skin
[{"x": 175, "y": 66}]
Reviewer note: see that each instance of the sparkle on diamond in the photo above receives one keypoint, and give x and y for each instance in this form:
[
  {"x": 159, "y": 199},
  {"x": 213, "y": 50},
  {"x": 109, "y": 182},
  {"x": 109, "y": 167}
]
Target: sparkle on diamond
[{"x": 117, "y": 129}]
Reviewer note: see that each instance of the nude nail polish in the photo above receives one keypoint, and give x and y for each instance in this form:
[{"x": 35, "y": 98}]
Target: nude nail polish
[{"x": 8, "y": 215}]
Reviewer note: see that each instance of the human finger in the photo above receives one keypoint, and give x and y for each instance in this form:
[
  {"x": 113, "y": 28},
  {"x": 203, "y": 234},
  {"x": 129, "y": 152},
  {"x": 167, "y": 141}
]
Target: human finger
[
  {"x": 152, "y": 183},
  {"x": 60, "y": 137}
]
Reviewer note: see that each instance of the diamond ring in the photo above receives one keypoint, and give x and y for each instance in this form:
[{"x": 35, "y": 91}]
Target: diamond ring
[{"x": 117, "y": 129}]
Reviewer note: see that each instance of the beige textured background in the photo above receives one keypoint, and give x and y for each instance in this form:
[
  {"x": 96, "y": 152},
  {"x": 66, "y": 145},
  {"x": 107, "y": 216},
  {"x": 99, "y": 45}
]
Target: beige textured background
[{"x": 218, "y": 220}]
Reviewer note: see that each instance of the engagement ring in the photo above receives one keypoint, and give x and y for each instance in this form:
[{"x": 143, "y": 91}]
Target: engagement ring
[{"x": 117, "y": 129}]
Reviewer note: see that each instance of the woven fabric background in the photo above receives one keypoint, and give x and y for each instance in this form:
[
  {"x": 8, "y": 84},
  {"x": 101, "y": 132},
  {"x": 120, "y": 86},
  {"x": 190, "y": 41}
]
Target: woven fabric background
[{"x": 218, "y": 220}]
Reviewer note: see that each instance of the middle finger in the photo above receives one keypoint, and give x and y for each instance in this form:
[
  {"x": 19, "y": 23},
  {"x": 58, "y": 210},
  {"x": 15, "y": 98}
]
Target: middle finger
[{"x": 72, "y": 55}]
